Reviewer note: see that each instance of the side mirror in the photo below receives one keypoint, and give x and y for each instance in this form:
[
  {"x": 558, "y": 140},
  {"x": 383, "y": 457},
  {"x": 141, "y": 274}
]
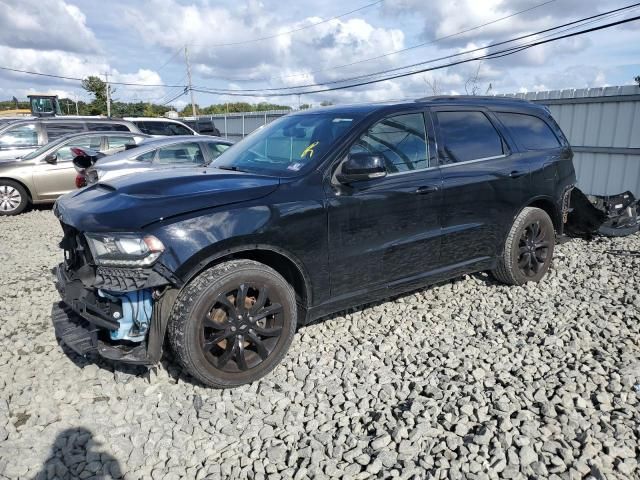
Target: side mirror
[
  {"x": 52, "y": 158},
  {"x": 361, "y": 166}
]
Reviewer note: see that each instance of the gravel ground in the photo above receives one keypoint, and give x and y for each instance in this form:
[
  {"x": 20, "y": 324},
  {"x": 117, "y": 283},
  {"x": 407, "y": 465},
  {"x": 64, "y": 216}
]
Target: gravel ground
[{"x": 468, "y": 379}]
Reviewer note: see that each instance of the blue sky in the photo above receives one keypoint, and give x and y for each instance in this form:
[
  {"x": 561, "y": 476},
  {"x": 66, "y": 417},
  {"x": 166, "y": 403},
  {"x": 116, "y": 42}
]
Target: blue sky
[{"x": 142, "y": 41}]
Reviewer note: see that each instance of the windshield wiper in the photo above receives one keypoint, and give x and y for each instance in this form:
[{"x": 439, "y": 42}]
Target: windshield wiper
[{"x": 232, "y": 168}]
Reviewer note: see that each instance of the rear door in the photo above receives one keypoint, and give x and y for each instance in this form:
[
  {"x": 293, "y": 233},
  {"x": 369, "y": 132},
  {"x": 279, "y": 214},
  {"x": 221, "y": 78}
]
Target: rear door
[
  {"x": 54, "y": 179},
  {"x": 386, "y": 231},
  {"x": 484, "y": 184},
  {"x": 547, "y": 155}
]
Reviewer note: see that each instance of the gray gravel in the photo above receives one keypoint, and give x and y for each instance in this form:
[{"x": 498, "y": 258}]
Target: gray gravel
[{"x": 469, "y": 379}]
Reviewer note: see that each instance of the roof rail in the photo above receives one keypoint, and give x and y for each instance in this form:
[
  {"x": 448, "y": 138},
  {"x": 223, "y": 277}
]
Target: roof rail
[{"x": 448, "y": 98}]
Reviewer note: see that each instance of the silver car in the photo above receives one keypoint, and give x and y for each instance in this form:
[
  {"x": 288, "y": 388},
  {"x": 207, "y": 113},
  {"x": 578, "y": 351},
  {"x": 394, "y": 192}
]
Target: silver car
[
  {"x": 21, "y": 137},
  {"x": 166, "y": 152},
  {"x": 48, "y": 172}
]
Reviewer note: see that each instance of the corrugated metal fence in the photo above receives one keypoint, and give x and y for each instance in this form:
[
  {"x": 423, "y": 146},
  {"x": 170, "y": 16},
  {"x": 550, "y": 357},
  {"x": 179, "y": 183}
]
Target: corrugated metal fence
[{"x": 603, "y": 126}]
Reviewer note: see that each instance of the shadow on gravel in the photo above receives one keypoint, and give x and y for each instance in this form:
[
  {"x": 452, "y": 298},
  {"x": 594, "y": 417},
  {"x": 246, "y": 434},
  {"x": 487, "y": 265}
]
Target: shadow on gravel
[{"x": 76, "y": 454}]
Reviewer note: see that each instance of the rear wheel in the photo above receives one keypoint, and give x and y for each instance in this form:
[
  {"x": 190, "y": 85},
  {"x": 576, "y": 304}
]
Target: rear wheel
[
  {"x": 234, "y": 323},
  {"x": 528, "y": 250},
  {"x": 14, "y": 199}
]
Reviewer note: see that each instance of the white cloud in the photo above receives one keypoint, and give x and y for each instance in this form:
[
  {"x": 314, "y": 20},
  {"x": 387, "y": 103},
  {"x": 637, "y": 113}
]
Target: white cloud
[{"x": 45, "y": 25}]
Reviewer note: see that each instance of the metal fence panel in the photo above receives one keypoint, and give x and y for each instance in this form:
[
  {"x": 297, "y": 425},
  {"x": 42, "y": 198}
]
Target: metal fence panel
[{"x": 602, "y": 124}]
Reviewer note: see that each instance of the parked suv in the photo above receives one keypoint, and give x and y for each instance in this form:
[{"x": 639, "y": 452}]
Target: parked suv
[
  {"x": 21, "y": 137},
  {"x": 314, "y": 213}
]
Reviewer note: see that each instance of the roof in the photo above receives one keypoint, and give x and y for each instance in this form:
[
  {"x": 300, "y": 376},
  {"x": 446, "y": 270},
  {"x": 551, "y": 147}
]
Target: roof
[
  {"x": 366, "y": 108},
  {"x": 152, "y": 119},
  {"x": 159, "y": 141}
]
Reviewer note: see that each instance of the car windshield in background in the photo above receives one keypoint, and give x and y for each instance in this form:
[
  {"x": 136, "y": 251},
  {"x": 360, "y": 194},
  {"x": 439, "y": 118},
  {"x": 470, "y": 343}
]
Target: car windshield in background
[{"x": 287, "y": 146}]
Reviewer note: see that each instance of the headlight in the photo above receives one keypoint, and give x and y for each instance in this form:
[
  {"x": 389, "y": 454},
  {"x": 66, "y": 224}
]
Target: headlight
[{"x": 124, "y": 250}]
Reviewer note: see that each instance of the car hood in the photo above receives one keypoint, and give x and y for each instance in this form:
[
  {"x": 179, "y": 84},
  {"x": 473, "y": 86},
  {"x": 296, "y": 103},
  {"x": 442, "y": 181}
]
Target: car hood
[{"x": 129, "y": 203}]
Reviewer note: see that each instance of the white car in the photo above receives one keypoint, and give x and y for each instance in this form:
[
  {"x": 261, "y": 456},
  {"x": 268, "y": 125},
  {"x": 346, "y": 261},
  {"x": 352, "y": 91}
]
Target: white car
[{"x": 161, "y": 127}]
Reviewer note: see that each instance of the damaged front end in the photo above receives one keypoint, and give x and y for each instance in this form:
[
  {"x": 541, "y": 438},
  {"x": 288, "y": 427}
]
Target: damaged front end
[{"x": 113, "y": 296}]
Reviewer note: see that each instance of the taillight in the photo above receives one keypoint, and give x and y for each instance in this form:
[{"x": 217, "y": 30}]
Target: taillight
[{"x": 81, "y": 180}]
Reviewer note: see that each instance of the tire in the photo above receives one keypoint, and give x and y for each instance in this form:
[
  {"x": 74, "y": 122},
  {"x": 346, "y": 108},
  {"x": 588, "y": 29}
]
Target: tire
[
  {"x": 14, "y": 199},
  {"x": 528, "y": 250},
  {"x": 224, "y": 342}
]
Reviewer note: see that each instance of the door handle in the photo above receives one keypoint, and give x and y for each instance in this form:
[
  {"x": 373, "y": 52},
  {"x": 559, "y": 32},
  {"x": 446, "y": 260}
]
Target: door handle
[{"x": 426, "y": 189}]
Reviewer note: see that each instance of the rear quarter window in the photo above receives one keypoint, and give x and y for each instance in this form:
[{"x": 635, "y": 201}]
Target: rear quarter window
[{"x": 528, "y": 131}]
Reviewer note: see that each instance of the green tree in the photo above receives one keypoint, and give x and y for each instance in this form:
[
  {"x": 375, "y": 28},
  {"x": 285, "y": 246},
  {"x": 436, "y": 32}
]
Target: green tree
[
  {"x": 637, "y": 79},
  {"x": 98, "y": 88}
]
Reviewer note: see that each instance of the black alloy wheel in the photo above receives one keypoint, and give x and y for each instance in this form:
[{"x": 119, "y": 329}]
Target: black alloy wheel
[
  {"x": 528, "y": 248},
  {"x": 233, "y": 323},
  {"x": 534, "y": 248},
  {"x": 242, "y": 328}
]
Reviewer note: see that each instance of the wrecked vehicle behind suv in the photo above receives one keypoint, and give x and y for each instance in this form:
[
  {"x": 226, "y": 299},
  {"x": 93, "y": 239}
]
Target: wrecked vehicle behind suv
[{"x": 316, "y": 212}]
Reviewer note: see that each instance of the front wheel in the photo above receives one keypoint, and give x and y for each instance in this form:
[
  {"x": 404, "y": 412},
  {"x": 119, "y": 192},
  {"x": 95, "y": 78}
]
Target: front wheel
[
  {"x": 528, "y": 250},
  {"x": 234, "y": 323},
  {"x": 14, "y": 199}
]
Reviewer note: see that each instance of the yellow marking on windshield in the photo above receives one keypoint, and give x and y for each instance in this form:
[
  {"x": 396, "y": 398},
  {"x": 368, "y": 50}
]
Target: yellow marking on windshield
[{"x": 309, "y": 150}]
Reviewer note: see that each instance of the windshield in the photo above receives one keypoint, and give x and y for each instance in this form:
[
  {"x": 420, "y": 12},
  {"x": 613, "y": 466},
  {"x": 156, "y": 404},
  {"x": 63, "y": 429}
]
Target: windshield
[
  {"x": 44, "y": 148},
  {"x": 288, "y": 146}
]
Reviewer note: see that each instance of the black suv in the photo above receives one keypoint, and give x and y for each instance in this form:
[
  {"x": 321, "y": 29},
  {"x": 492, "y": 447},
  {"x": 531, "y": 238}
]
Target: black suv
[{"x": 316, "y": 212}]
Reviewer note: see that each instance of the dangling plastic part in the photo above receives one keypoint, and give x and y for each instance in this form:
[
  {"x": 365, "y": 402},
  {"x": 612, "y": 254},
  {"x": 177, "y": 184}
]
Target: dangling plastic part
[{"x": 137, "y": 308}]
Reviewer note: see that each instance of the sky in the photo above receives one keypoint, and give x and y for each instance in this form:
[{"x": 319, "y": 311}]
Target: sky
[{"x": 239, "y": 44}]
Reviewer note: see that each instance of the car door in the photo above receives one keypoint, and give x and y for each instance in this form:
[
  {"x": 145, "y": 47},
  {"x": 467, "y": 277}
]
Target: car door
[
  {"x": 546, "y": 153},
  {"x": 385, "y": 231},
  {"x": 55, "y": 174},
  {"x": 484, "y": 184},
  {"x": 184, "y": 154}
]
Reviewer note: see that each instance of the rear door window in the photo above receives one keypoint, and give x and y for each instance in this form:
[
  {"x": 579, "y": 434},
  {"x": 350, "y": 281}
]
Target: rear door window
[
  {"x": 58, "y": 129},
  {"x": 64, "y": 153},
  {"x": 181, "y": 153},
  {"x": 153, "y": 128},
  {"x": 400, "y": 140},
  {"x": 529, "y": 132},
  {"x": 19, "y": 136},
  {"x": 468, "y": 135},
  {"x": 106, "y": 127},
  {"x": 177, "y": 129},
  {"x": 119, "y": 142}
]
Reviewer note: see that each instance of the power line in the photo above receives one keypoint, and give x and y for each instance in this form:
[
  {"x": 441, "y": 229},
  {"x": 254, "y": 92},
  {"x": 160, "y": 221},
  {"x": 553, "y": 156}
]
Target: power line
[
  {"x": 466, "y": 52},
  {"x": 498, "y": 54},
  {"x": 184, "y": 92},
  {"x": 176, "y": 53},
  {"x": 406, "y": 49},
  {"x": 246, "y": 92},
  {"x": 243, "y": 42}
]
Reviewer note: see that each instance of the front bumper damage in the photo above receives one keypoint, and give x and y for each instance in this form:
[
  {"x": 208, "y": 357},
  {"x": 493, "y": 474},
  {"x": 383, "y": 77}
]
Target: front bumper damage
[{"x": 119, "y": 313}]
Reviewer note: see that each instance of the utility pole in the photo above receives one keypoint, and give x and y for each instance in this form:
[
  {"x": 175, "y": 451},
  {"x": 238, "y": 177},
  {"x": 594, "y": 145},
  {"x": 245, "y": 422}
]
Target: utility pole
[
  {"x": 106, "y": 76},
  {"x": 76, "y": 99},
  {"x": 193, "y": 103}
]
